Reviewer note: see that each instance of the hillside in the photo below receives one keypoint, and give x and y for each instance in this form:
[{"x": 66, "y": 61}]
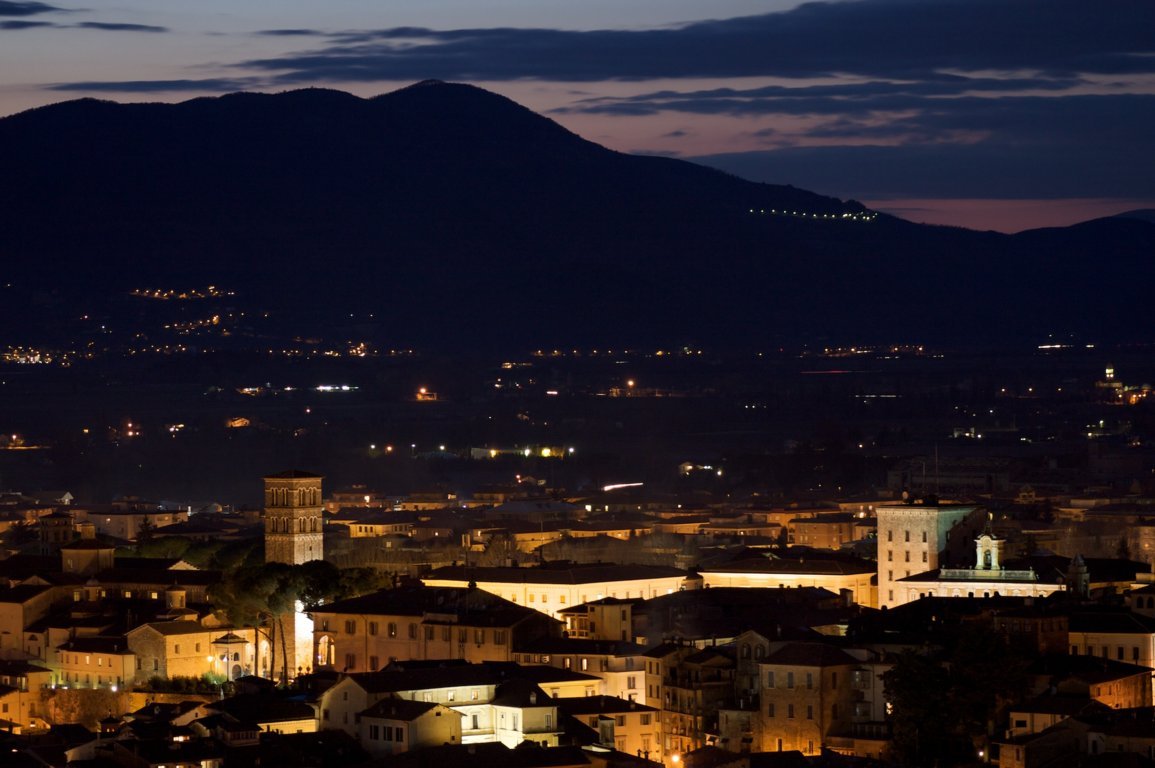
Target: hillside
[{"x": 459, "y": 219}]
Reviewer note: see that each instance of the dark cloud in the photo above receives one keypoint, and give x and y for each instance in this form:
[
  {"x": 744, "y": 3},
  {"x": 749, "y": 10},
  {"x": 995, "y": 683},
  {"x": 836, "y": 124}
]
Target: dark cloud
[
  {"x": 116, "y": 27},
  {"x": 291, "y": 33},
  {"x": 873, "y": 38},
  {"x": 985, "y": 169},
  {"x": 219, "y": 85},
  {"x": 873, "y": 95},
  {"x": 25, "y": 24},
  {"x": 10, "y": 8}
]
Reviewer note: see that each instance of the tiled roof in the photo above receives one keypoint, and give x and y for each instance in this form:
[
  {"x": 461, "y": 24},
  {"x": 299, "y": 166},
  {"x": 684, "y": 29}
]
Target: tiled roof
[
  {"x": 392, "y": 708},
  {"x": 580, "y": 645},
  {"x": 579, "y": 574},
  {"x": 471, "y": 607},
  {"x": 112, "y": 645},
  {"x": 486, "y": 673},
  {"x": 263, "y": 708},
  {"x": 600, "y": 705},
  {"x": 1112, "y": 623},
  {"x": 175, "y": 627},
  {"x": 22, "y": 593},
  {"x": 809, "y": 655},
  {"x": 521, "y": 693},
  {"x": 161, "y": 577},
  {"x": 801, "y": 566}
]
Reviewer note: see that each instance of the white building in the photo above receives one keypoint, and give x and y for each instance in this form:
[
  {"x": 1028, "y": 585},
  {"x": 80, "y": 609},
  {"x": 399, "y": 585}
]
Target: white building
[
  {"x": 914, "y": 538},
  {"x": 987, "y": 578}
]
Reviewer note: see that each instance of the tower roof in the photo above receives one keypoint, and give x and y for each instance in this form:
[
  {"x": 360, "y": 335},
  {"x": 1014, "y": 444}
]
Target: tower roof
[{"x": 293, "y": 474}]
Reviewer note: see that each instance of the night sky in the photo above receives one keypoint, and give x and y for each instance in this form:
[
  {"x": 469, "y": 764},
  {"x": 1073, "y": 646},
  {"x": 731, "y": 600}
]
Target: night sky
[{"x": 1000, "y": 114}]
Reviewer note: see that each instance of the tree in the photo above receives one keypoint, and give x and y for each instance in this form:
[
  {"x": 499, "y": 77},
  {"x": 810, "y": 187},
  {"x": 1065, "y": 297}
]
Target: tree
[
  {"x": 922, "y": 721},
  {"x": 941, "y": 707},
  {"x": 262, "y": 596},
  {"x": 987, "y": 675}
]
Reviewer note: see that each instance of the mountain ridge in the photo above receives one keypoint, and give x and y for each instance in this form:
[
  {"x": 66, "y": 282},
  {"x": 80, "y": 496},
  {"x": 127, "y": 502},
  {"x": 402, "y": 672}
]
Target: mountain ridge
[{"x": 459, "y": 218}]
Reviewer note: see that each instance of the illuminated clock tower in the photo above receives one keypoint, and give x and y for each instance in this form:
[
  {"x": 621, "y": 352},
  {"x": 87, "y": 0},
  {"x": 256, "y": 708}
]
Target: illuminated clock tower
[{"x": 293, "y": 518}]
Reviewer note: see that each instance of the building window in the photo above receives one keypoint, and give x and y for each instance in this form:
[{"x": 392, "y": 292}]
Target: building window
[
  {"x": 412, "y": 631},
  {"x": 451, "y": 695},
  {"x": 499, "y": 636},
  {"x": 809, "y": 711},
  {"x": 906, "y": 535},
  {"x": 924, "y": 537},
  {"x": 429, "y": 633},
  {"x": 790, "y": 711},
  {"x": 789, "y": 679},
  {"x": 924, "y": 557},
  {"x": 770, "y": 709},
  {"x": 350, "y": 660},
  {"x": 350, "y": 626},
  {"x": 645, "y": 719},
  {"x": 375, "y": 732},
  {"x": 810, "y": 681},
  {"x": 392, "y": 629},
  {"x": 372, "y": 628},
  {"x": 373, "y": 663}
]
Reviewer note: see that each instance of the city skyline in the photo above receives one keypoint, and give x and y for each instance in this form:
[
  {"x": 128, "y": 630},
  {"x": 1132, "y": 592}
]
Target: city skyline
[{"x": 982, "y": 114}]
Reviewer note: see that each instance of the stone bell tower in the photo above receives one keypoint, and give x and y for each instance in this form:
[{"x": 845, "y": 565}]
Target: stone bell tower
[
  {"x": 293, "y": 535},
  {"x": 293, "y": 518}
]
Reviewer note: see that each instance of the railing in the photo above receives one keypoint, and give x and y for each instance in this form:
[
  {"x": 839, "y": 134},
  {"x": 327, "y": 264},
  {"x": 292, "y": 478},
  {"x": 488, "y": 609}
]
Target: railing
[{"x": 996, "y": 574}]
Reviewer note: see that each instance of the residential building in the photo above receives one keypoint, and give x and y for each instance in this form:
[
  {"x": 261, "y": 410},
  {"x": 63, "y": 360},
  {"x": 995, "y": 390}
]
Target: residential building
[
  {"x": 626, "y": 726},
  {"x": 363, "y": 634},
  {"x": 394, "y": 725}
]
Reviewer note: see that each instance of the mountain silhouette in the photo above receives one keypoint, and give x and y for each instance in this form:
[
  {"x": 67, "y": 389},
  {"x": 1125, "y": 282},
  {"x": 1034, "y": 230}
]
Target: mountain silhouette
[{"x": 463, "y": 221}]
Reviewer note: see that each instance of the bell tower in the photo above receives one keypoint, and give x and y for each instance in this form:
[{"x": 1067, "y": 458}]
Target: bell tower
[{"x": 293, "y": 518}]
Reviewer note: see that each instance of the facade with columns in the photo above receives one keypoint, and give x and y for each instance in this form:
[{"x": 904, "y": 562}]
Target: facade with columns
[{"x": 987, "y": 578}]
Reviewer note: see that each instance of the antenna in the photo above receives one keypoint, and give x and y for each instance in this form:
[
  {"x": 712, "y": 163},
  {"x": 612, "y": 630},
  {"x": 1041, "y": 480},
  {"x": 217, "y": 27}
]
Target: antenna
[{"x": 936, "y": 489}]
